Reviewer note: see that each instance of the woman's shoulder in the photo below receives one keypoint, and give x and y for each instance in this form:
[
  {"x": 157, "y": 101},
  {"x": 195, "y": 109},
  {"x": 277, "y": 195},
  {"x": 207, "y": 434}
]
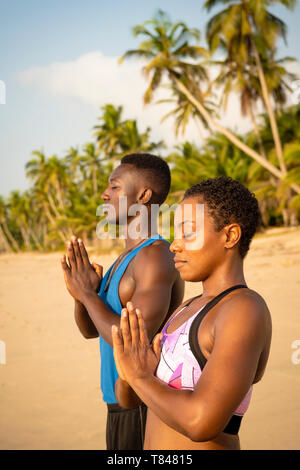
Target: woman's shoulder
[{"x": 245, "y": 308}]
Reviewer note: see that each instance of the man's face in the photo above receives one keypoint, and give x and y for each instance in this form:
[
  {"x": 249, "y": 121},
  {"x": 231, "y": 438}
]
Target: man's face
[{"x": 124, "y": 185}]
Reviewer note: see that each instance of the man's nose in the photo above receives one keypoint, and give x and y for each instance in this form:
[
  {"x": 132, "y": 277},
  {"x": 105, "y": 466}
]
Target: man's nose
[{"x": 105, "y": 195}]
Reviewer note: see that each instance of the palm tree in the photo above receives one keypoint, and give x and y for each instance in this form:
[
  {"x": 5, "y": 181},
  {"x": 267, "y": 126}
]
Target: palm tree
[
  {"x": 37, "y": 170},
  {"x": 186, "y": 111},
  {"x": 132, "y": 141},
  {"x": 116, "y": 138},
  {"x": 3, "y": 242},
  {"x": 167, "y": 53},
  {"x": 72, "y": 161},
  {"x": 90, "y": 160},
  {"x": 3, "y": 237},
  {"x": 57, "y": 179},
  {"x": 190, "y": 165},
  {"x": 19, "y": 209},
  {"x": 108, "y": 132},
  {"x": 248, "y": 32},
  {"x": 291, "y": 153},
  {"x": 50, "y": 179},
  {"x": 4, "y": 227}
]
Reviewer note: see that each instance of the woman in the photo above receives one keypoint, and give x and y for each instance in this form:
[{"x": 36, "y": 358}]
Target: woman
[{"x": 197, "y": 377}]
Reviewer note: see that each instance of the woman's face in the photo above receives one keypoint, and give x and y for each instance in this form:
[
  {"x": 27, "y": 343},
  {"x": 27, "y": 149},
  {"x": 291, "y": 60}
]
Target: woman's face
[{"x": 198, "y": 247}]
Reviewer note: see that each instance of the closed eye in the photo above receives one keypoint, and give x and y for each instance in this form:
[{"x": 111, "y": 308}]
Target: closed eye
[{"x": 189, "y": 235}]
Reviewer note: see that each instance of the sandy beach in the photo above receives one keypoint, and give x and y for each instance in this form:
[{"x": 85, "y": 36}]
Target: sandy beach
[{"x": 49, "y": 386}]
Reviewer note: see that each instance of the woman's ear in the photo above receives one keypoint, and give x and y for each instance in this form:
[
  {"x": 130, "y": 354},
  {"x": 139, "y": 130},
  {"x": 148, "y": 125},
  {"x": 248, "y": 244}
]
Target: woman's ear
[{"x": 233, "y": 235}]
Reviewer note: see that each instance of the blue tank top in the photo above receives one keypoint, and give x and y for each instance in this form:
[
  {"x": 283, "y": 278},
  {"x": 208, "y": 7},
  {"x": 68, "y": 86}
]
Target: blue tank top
[{"x": 109, "y": 372}]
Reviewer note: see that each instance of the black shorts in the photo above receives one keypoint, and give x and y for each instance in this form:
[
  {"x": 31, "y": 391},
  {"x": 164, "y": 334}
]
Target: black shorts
[{"x": 125, "y": 429}]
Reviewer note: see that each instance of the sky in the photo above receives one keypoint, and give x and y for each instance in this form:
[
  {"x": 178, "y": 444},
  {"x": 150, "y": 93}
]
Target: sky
[{"x": 58, "y": 61}]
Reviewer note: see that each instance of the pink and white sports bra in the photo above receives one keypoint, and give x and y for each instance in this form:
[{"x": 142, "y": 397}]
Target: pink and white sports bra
[{"x": 181, "y": 358}]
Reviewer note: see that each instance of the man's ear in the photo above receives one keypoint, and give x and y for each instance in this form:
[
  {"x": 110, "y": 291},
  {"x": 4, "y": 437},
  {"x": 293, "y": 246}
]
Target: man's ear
[{"x": 144, "y": 196}]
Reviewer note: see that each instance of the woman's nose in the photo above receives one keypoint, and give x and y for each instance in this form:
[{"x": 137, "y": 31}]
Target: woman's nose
[{"x": 176, "y": 245}]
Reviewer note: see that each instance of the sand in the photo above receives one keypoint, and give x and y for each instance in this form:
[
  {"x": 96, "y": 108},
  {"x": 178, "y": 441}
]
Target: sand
[{"x": 49, "y": 386}]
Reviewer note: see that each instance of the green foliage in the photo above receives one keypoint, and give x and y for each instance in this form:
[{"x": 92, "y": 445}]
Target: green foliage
[{"x": 65, "y": 191}]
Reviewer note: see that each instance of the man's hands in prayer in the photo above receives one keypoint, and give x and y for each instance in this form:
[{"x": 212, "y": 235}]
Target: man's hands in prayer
[{"x": 82, "y": 278}]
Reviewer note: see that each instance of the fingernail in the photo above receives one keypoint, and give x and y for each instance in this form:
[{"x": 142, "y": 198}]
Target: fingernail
[
  {"x": 124, "y": 312},
  {"x": 79, "y": 240}
]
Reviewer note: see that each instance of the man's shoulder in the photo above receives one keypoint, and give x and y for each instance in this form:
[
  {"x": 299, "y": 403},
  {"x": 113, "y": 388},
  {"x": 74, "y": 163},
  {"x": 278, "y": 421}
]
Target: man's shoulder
[
  {"x": 157, "y": 249},
  {"x": 156, "y": 256}
]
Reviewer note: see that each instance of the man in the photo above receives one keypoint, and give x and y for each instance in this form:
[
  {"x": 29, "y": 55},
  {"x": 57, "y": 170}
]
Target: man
[
  {"x": 143, "y": 273},
  {"x": 216, "y": 346}
]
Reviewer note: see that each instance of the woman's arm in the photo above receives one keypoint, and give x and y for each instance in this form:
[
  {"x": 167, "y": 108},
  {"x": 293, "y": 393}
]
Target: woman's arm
[{"x": 240, "y": 335}]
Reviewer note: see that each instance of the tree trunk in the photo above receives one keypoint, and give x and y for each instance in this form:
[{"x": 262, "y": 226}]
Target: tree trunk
[
  {"x": 52, "y": 204},
  {"x": 4, "y": 242},
  {"x": 60, "y": 197},
  {"x": 202, "y": 138},
  {"x": 256, "y": 131},
  {"x": 273, "y": 123},
  {"x": 230, "y": 136},
  {"x": 10, "y": 237},
  {"x": 95, "y": 184},
  {"x": 52, "y": 222},
  {"x": 35, "y": 239},
  {"x": 26, "y": 238},
  {"x": 285, "y": 216}
]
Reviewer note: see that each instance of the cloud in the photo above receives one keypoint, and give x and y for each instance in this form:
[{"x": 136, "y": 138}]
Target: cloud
[{"x": 96, "y": 79}]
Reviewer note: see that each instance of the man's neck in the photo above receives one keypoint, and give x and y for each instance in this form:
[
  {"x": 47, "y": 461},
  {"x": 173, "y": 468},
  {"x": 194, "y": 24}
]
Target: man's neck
[{"x": 136, "y": 236}]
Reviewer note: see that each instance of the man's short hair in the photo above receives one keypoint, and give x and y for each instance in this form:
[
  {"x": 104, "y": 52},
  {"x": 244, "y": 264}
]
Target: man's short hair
[
  {"x": 229, "y": 201},
  {"x": 156, "y": 171}
]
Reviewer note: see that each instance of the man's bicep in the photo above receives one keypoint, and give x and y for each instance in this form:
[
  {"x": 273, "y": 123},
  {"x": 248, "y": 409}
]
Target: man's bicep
[
  {"x": 154, "y": 302},
  {"x": 154, "y": 276}
]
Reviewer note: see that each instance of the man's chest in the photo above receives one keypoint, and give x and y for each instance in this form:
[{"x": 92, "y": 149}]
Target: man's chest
[{"x": 127, "y": 286}]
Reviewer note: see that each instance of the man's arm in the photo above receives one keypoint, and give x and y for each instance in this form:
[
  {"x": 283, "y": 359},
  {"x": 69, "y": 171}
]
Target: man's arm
[
  {"x": 126, "y": 397},
  {"x": 240, "y": 337},
  {"x": 83, "y": 281},
  {"x": 83, "y": 321},
  {"x": 154, "y": 276}
]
